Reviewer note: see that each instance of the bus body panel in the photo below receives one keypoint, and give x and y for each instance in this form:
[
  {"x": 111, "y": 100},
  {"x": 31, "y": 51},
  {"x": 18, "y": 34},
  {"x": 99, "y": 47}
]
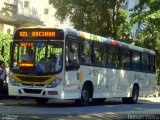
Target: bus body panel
[
  {"x": 107, "y": 82},
  {"x": 116, "y": 83},
  {"x": 72, "y": 82},
  {"x": 146, "y": 82}
]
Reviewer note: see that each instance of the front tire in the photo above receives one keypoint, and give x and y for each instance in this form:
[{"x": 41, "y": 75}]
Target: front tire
[
  {"x": 41, "y": 101},
  {"x": 134, "y": 98}
]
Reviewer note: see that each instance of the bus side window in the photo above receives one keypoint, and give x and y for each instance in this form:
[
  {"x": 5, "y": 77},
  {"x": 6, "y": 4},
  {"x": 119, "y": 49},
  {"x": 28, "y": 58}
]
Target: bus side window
[
  {"x": 151, "y": 63},
  {"x": 86, "y": 53},
  {"x": 125, "y": 59},
  {"x": 145, "y": 62},
  {"x": 113, "y": 57},
  {"x": 136, "y": 61},
  {"x": 99, "y": 51},
  {"x": 72, "y": 55}
]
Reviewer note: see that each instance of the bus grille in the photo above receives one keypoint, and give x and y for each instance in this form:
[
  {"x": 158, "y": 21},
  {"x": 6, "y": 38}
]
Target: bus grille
[
  {"x": 34, "y": 91},
  {"x": 38, "y": 85},
  {"x": 33, "y": 79}
]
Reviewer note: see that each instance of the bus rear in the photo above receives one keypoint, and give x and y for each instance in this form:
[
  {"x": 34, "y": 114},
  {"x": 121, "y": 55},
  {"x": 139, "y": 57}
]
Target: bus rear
[{"x": 36, "y": 68}]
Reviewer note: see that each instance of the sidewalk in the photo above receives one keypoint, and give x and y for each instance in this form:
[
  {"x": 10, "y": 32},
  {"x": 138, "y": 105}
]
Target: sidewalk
[{"x": 149, "y": 99}]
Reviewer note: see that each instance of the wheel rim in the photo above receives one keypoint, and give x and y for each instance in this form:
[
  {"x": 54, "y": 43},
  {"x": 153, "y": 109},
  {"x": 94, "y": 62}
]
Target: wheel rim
[
  {"x": 135, "y": 95},
  {"x": 85, "y": 96}
]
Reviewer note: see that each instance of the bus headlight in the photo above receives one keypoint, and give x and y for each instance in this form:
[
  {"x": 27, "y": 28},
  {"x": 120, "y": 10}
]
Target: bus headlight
[
  {"x": 12, "y": 81},
  {"x": 54, "y": 83}
]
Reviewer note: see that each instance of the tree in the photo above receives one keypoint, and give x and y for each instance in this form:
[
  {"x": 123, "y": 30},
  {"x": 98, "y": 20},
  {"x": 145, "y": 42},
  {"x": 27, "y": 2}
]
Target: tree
[
  {"x": 149, "y": 37},
  {"x": 104, "y": 17},
  {"x": 5, "y": 40}
]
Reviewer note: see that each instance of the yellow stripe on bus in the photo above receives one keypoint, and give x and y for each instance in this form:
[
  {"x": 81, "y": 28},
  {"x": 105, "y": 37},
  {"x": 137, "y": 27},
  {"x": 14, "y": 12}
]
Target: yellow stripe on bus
[{"x": 48, "y": 81}]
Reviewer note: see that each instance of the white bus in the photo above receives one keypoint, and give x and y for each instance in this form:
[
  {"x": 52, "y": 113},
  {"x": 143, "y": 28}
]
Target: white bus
[{"x": 71, "y": 64}]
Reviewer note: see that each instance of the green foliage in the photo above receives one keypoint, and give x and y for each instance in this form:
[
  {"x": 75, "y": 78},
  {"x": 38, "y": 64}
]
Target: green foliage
[
  {"x": 104, "y": 17},
  {"x": 149, "y": 37},
  {"x": 125, "y": 29},
  {"x": 5, "y": 40}
]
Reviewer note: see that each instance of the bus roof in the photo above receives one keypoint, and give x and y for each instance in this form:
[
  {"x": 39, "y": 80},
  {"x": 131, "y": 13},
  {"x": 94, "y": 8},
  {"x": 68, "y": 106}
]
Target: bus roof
[{"x": 92, "y": 37}]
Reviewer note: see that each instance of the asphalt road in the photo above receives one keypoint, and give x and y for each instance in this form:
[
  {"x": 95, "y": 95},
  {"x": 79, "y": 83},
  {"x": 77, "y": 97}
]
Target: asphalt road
[{"x": 24, "y": 109}]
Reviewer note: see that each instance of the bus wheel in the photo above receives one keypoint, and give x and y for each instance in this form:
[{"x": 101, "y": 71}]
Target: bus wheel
[
  {"x": 99, "y": 100},
  {"x": 85, "y": 95},
  {"x": 134, "y": 98},
  {"x": 41, "y": 101},
  {"x": 135, "y": 94}
]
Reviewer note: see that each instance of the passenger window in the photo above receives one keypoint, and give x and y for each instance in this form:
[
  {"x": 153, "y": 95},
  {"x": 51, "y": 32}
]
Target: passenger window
[
  {"x": 136, "y": 60},
  {"x": 99, "y": 57},
  {"x": 151, "y": 63},
  {"x": 113, "y": 57},
  {"x": 72, "y": 55},
  {"x": 86, "y": 52},
  {"x": 145, "y": 62},
  {"x": 125, "y": 58}
]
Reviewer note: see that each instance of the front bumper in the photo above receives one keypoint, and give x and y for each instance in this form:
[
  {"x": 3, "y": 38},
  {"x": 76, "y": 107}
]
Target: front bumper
[{"x": 56, "y": 93}]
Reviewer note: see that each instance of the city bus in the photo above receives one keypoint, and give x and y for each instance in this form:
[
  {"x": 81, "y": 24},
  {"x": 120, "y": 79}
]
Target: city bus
[{"x": 68, "y": 64}]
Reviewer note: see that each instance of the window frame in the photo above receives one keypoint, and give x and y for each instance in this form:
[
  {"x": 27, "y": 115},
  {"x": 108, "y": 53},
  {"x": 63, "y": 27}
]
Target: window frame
[{"x": 70, "y": 39}]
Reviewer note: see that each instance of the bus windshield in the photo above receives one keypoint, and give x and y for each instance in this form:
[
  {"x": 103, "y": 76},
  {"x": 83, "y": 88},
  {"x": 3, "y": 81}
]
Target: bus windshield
[{"x": 38, "y": 57}]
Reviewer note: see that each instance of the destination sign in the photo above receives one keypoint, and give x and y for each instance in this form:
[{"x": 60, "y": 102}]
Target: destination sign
[
  {"x": 26, "y": 44},
  {"x": 39, "y": 33}
]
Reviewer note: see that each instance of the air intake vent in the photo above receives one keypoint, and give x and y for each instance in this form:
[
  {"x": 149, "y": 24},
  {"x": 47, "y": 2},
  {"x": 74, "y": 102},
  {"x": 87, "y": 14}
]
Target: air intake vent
[
  {"x": 31, "y": 79},
  {"x": 34, "y": 91}
]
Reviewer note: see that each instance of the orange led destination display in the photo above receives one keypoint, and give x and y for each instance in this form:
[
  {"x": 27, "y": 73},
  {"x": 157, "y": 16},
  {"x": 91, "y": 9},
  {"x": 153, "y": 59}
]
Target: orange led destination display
[
  {"x": 39, "y": 33},
  {"x": 26, "y": 44},
  {"x": 43, "y": 34}
]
